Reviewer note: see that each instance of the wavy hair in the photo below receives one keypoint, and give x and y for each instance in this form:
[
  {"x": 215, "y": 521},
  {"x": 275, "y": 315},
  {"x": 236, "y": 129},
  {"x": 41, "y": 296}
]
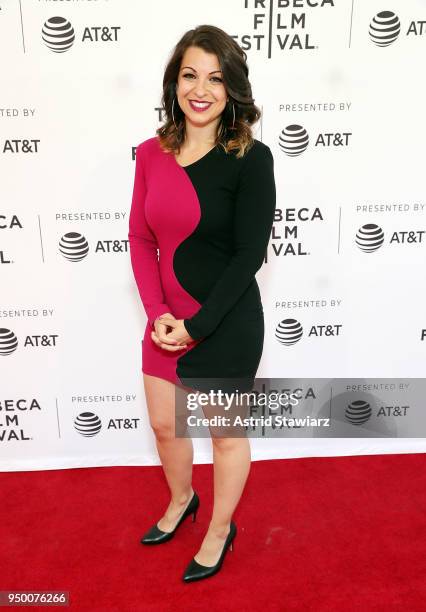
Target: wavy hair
[{"x": 233, "y": 63}]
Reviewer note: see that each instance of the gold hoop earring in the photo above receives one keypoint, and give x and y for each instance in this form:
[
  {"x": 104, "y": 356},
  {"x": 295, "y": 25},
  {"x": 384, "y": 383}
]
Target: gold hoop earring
[
  {"x": 233, "y": 122},
  {"x": 173, "y": 114}
]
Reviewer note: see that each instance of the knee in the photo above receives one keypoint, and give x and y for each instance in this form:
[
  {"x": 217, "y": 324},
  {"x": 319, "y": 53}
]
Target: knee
[
  {"x": 224, "y": 444},
  {"x": 162, "y": 429}
]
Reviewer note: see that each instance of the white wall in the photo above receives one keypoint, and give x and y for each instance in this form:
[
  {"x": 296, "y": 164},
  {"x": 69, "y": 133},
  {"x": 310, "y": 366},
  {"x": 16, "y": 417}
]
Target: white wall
[{"x": 78, "y": 325}]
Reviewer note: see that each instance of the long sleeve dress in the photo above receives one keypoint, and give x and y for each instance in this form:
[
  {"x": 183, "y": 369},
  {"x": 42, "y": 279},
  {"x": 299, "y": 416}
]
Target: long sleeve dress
[{"x": 197, "y": 236}]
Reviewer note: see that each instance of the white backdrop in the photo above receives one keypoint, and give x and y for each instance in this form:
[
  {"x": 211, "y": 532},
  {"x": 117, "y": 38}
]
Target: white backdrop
[{"x": 347, "y": 77}]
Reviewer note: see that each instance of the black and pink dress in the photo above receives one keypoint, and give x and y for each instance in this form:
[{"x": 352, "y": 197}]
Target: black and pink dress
[{"x": 197, "y": 235}]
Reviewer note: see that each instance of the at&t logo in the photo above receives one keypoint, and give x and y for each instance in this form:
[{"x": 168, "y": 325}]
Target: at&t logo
[
  {"x": 385, "y": 28},
  {"x": 73, "y": 246},
  {"x": 290, "y": 331},
  {"x": 358, "y": 412},
  {"x": 294, "y": 140},
  {"x": 89, "y": 424},
  {"x": 9, "y": 341},
  {"x": 59, "y": 36},
  {"x": 370, "y": 237}
]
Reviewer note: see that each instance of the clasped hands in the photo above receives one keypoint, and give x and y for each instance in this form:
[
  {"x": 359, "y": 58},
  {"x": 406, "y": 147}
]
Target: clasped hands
[{"x": 174, "y": 340}]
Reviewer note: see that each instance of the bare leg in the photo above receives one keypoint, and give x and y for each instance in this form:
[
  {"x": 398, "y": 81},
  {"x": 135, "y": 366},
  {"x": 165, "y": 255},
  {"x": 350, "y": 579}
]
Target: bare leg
[
  {"x": 232, "y": 460},
  {"x": 176, "y": 454}
]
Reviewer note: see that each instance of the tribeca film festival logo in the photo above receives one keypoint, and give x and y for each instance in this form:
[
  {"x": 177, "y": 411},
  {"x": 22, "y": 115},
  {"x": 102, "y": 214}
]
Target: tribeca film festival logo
[
  {"x": 385, "y": 28},
  {"x": 88, "y": 424},
  {"x": 283, "y": 25},
  {"x": 290, "y": 331},
  {"x": 294, "y": 140},
  {"x": 10, "y": 410},
  {"x": 371, "y": 237},
  {"x": 9, "y": 341},
  {"x": 59, "y": 35},
  {"x": 285, "y": 239},
  {"x": 11, "y": 222}
]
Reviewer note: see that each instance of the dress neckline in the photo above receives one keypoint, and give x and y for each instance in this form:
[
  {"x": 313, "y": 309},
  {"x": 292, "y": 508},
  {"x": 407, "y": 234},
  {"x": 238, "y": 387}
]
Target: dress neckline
[{"x": 197, "y": 160}]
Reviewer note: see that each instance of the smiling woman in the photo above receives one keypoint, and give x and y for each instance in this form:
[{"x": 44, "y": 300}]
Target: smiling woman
[
  {"x": 200, "y": 94},
  {"x": 190, "y": 91},
  {"x": 199, "y": 106},
  {"x": 207, "y": 67},
  {"x": 204, "y": 198}
]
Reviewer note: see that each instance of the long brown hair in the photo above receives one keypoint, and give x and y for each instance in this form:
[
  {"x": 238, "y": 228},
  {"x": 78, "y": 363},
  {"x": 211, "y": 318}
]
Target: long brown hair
[{"x": 233, "y": 63}]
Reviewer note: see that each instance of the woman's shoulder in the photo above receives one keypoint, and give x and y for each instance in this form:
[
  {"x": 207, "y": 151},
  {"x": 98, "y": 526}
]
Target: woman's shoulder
[
  {"x": 256, "y": 152},
  {"x": 259, "y": 148},
  {"x": 256, "y": 156},
  {"x": 148, "y": 146}
]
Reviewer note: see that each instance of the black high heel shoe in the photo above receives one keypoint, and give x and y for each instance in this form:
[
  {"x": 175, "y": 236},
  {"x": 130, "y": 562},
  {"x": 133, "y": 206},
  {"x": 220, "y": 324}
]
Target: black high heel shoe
[
  {"x": 196, "y": 571},
  {"x": 157, "y": 536}
]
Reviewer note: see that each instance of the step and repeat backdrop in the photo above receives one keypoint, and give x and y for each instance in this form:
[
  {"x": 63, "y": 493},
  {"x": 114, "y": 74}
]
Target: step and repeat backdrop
[{"x": 342, "y": 91}]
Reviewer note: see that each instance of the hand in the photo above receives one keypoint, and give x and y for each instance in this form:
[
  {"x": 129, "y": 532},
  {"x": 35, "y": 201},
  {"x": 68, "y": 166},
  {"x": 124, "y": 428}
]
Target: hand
[
  {"x": 162, "y": 338},
  {"x": 178, "y": 333}
]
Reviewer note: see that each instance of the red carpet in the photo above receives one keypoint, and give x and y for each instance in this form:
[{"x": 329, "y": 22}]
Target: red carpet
[{"x": 321, "y": 534}]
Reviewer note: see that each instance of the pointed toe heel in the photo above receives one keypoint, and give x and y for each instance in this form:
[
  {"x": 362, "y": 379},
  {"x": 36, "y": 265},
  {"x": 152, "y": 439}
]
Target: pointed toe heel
[
  {"x": 156, "y": 536},
  {"x": 196, "y": 571}
]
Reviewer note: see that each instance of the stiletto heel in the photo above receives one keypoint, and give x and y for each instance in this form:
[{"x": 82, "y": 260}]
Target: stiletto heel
[
  {"x": 231, "y": 546},
  {"x": 157, "y": 536},
  {"x": 194, "y": 515},
  {"x": 196, "y": 571}
]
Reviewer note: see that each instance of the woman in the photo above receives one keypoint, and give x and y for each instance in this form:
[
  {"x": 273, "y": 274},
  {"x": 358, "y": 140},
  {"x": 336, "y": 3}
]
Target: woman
[{"x": 204, "y": 195}]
